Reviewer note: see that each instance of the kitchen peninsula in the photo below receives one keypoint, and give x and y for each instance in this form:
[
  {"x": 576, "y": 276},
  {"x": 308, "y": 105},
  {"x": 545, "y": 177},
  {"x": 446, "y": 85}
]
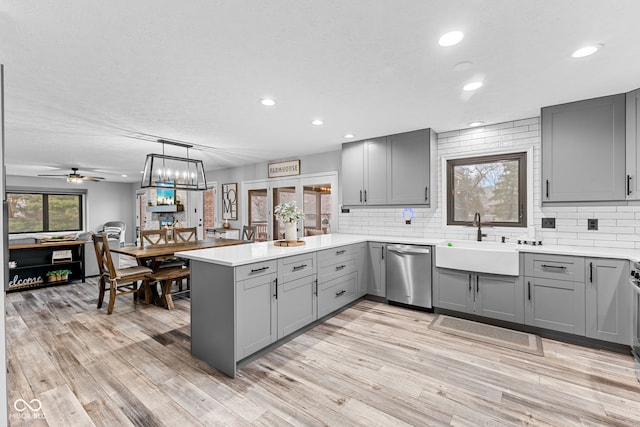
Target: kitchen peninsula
[{"x": 247, "y": 298}]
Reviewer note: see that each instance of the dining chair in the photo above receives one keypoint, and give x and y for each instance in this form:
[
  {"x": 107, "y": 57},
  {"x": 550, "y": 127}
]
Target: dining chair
[
  {"x": 153, "y": 237},
  {"x": 184, "y": 235},
  {"x": 121, "y": 281},
  {"x": 249, "y": 233},
  {"x": 261, "y": 232}
]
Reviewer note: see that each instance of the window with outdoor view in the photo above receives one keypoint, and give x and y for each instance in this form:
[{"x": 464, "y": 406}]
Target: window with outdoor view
[
  {"x": 493, "y": 186},
  {"x": 40, "y": 212}
]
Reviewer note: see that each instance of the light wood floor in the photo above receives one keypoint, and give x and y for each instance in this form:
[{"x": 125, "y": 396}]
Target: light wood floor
[{"x": 373, "y": 364}]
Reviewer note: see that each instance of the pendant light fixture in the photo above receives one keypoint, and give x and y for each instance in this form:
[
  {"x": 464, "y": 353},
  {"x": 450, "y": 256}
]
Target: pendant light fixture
[{"x": 180, "y": 173}]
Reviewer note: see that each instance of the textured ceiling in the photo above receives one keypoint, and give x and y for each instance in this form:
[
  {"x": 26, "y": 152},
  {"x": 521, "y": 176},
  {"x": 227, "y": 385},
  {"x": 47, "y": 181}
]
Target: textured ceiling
[{"x": 93, "y": 83}]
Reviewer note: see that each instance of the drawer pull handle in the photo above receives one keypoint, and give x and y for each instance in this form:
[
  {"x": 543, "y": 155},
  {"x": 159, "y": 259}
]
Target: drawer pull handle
[
  {"x": 299, "y": 267},
  {"x": 340, "y": 267},
  {"x": 340, "y": 292},
  {"x": 256, "y": 270},
  {"x": 340, "y": 252},
  {"x": 558, "y": 267}
]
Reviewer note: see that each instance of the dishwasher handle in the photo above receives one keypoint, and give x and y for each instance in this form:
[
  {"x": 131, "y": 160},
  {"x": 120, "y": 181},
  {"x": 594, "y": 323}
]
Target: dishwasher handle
[{"x": 407, "y": 249}]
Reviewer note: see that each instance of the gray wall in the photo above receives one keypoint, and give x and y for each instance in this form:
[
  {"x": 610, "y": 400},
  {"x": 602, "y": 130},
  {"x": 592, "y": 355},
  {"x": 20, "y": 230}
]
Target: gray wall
[{"x": 105, "y": 201}]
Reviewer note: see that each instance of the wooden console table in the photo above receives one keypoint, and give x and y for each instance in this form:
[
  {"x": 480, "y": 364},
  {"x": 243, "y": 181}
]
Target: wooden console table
[{"x": 35, "y": 260}]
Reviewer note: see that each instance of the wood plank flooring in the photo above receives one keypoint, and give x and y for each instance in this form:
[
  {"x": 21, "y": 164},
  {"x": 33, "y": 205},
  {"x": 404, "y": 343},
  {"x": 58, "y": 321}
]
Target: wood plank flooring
[{"x": 373, "y": 364}]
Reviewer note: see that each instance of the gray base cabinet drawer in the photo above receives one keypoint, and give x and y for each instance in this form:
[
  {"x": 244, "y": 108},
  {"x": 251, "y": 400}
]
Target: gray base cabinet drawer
[
  {"x": 555, "y": 304},
  {"x": 256, "y": 269},
  {"x": 341, "y": 268},
  {"x": 295, "y": 267},
  {"x": 330, "y": 256},
  {"x": 336, "y": 293},
  {"x": 558, "y": 267}
]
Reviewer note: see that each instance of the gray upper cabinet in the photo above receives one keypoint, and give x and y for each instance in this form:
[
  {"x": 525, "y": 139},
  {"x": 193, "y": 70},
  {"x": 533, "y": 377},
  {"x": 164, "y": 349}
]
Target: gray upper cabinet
[
  {"x": 608, "y": 300},
  {"x": 583, "y": 151},
  {"x": 408, "y": 168},
  {"x": 390, "y": 170},
  {"x": 633, "y": 139},
  {"x": 364, "y": 172}
]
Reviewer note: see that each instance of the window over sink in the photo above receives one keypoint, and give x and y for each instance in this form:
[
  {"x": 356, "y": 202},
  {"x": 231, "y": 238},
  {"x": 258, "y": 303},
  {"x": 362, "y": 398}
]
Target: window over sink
[{"x": 494, "y": 186}]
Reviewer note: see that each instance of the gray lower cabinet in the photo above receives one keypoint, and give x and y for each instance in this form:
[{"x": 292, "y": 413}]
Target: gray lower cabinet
[
  {"x": 555, "y": 292},
  {"x": 377, "y": 279},
  {"x": 362, "y": 268},
  {"x": 256, "y": 308},
  {"x": 338, "y": 271},
  {"x": 583, "y": 151},
  {"x": 487, "y": 295},
  {"x": 297, "y": 304},
  {"x": 608, "y": 300}
]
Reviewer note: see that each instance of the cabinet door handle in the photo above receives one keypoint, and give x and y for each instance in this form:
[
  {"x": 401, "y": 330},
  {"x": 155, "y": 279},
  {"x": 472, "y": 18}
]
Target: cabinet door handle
[
  {"x": 360, "y": 196},
  {"x": 299, "y": 267},
  {"x": 470, "y": 283},
  {"x": 629, "y": 185},
  {"x": 529, "y": 290},
  {"x": 426, "y": 194},
  {"x": 382, "y": 252},
  {"x": 477, "y": 283},
  {"x": 340, "y": 292},
  {"x": 275, "y": 282},
  {"x": 559, "y": 267},
  {"x": 547, "y": 189},
  {"x": 590, "y": 272},
  {"x": 256, "y": 270},
  {"x": 365, "y": 196},
  {"x": 340, "y": 267}
]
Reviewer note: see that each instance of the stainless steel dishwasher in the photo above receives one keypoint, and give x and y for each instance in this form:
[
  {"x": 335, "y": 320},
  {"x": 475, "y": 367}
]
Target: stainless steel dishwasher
[{"x": 409, "y": 275}]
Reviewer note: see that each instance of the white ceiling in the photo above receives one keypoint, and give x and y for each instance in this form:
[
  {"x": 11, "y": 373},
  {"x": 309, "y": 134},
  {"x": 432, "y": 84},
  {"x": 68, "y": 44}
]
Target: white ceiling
[{"x": 92, "y": 83}]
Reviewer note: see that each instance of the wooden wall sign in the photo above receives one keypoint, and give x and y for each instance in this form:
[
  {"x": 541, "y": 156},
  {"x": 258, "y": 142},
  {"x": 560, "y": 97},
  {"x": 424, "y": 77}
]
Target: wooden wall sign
[{"x": 289, "y": 168}]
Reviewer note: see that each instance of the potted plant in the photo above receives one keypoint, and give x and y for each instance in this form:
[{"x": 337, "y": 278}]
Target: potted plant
[
  {"x": 289, "y": 214},
  {"x": 51, "y": 275},
  {"x": 64, "y": 274}
]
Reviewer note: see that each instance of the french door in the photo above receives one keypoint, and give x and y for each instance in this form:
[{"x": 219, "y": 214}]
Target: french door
[{"x": 315, "y": 194}]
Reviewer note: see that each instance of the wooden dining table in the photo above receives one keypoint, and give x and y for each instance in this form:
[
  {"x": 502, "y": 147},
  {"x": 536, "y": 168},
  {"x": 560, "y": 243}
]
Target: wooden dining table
[
  {"x": 150, "y": 255},
  {"x": 153, "y": 255}
]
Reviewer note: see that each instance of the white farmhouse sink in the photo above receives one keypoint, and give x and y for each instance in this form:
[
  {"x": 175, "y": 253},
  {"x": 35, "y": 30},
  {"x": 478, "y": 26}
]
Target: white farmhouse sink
[{"x": 481, "y": 257}]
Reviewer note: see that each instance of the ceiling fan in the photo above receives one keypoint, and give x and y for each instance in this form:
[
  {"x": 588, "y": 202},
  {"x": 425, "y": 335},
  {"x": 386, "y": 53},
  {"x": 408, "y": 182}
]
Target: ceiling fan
[{"x": 74, "y": 177}]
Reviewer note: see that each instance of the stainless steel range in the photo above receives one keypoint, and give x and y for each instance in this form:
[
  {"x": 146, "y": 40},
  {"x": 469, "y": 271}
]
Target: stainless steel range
[{"x": 634, "y": 282}]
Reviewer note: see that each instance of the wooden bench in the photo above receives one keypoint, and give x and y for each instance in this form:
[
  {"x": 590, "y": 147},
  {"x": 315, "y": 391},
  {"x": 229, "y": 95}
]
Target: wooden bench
[{"x": 166, "y": 277}]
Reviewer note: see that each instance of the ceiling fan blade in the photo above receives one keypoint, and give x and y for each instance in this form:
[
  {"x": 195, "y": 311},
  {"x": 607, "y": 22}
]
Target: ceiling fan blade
[
  {"x": 92, "y": 178},
  {"x": 55, "y": 176}
]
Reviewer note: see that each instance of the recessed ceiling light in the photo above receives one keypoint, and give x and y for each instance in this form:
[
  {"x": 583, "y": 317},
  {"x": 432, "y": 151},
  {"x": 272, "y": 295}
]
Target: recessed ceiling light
[
  {"x": 475, "y": 124},
  {"x": 349, "y": 136},
  {"x": 473, "y": 86},
  {"x": 317, "y": 122},
  {"x": 586, "y": 51},
  {"x": 451, "y": 38},
  {"x": 123, "y": 175},
  {"x": 268, "y": 102}
]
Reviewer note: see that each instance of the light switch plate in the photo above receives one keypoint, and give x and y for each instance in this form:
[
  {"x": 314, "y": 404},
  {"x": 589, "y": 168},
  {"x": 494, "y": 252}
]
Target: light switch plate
[{"x": 592, "y": 224}]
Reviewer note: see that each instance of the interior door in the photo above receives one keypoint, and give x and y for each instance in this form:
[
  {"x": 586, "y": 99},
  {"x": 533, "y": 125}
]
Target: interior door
[{"x": 282, "y": 194}]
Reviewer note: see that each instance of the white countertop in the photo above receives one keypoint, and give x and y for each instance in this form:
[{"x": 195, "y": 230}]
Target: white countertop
[{"x": 263, "y": 251}]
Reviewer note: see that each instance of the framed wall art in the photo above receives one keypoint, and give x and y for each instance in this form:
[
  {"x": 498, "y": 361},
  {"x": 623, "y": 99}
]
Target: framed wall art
[{"x": 230, "y": 201}]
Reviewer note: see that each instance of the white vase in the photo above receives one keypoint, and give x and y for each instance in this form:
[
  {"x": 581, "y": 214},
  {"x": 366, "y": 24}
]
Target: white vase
[{"x": 290, "y": 231}]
